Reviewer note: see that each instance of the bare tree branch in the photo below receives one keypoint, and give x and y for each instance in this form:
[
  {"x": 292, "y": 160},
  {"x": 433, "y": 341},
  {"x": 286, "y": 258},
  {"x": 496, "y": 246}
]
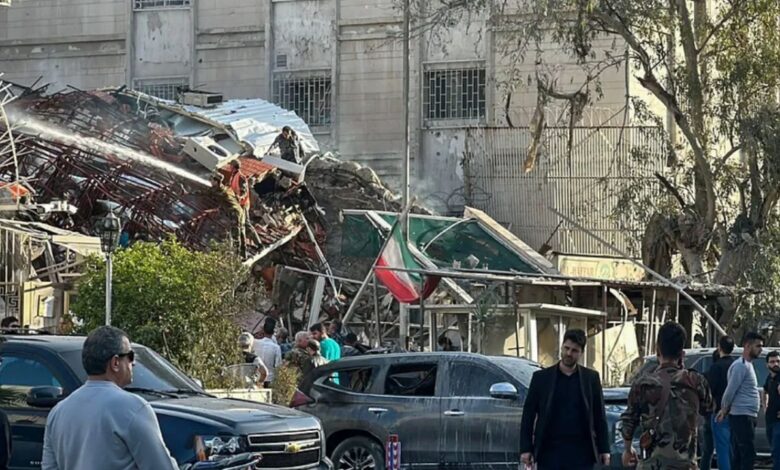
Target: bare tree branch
[
  {"x": 726, "y": 17},
  {"x": 669, "y": 187},
  {"x": 722, "y": 161}
]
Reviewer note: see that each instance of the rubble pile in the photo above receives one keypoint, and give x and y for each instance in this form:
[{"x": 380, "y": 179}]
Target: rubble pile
[
  {"x": 91, "y": 151},
  {"x": 95, "y": 151}
]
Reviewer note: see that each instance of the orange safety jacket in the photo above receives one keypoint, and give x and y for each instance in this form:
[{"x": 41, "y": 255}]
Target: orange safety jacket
[{"x": 240, "y": 188}]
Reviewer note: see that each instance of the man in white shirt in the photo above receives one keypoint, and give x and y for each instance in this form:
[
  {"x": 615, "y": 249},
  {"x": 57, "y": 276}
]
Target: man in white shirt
[
  {"x": 268, "y": 351},
  {"x": 100, "y": 426}
]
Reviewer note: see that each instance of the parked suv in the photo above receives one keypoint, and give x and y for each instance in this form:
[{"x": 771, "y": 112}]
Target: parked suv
[
  {"x": 36, "y": 372},
  {"x": 447, "y": 409}
]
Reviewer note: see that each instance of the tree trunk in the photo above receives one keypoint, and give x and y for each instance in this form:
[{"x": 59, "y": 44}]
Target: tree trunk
[
  {"x": 694, "y": 263},
  {"x": 734, "y": 262},
  {"x": 656, "y": 247}
]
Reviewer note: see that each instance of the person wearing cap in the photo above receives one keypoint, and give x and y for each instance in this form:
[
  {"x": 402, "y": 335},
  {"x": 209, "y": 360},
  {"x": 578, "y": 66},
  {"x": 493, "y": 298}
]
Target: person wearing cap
[{"x": 247, "y": 343}]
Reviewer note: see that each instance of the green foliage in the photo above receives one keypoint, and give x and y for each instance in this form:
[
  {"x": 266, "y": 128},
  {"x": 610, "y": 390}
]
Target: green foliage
[
  {"x": 179, "y": 302},
  {"x": 285, "y": 383},
  {"x": 759, "y": 302}
]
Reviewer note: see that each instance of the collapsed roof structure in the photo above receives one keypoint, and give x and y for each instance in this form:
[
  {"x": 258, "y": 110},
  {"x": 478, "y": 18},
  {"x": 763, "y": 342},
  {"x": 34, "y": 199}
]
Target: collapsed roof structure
[{"x": 68, "y": 158}]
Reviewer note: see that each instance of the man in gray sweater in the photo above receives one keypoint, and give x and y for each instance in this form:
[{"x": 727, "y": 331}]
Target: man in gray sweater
[
  {"x": 100, "y": 426},
  {"x": 741, "y": 402}
]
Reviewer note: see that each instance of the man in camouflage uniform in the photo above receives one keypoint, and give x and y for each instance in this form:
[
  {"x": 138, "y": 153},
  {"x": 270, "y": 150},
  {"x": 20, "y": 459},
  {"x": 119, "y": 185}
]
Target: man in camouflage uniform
[
  {"x": 664, "y": 405},
  {"x": 299, "y": 358}
]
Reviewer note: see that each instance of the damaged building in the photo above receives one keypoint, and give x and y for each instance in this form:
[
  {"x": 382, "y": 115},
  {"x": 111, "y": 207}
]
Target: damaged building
[
  {"x": 317, "y": 227},
  {"x": 72, "y": 156}
]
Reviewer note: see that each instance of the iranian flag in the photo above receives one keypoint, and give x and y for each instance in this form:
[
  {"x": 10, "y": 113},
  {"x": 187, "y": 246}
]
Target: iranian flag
[{"x": 406, "y": 287}]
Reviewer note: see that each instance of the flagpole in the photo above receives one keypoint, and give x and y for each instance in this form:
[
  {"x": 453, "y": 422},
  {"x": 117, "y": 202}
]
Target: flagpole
[{"x": 363, "y": 286}]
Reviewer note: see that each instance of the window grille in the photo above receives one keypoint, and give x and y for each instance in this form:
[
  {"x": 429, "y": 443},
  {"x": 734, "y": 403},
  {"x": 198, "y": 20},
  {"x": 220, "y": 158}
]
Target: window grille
[
  {"x": 166, "y": 89},
  {"x": 454, "y": 94},
  {"x": 308, "y": 96},
  {"x": 149, "y": 4}
]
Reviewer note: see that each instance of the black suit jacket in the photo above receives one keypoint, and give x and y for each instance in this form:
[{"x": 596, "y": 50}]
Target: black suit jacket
[{"x": 537, "y": 410}]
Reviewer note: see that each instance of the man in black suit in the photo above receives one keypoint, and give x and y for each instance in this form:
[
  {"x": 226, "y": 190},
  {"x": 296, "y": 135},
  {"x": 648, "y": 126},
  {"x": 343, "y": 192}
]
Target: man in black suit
[
  {"x": 5, "y": 441},
  {"x": 564, "y": 425}
]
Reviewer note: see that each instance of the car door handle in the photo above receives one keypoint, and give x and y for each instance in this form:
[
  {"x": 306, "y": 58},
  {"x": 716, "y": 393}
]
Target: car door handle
[
  {"x": 454, "y": 413},
  {"x": 378, "y": 411}
]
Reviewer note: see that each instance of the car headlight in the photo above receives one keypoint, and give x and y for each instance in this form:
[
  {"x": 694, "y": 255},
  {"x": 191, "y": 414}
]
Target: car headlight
[{"x": 207, "y": 447}]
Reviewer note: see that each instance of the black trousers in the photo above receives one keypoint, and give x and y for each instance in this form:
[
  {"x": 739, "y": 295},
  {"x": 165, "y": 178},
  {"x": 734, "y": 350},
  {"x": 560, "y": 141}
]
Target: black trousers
[
  {"x": 743, "y": 450},
  {"x": 566, "y": 454}
]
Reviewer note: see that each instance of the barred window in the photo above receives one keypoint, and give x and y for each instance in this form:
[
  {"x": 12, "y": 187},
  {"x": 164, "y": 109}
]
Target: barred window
[
  {"x": 148, "y": 4},
  {"x": 454, "y": 94},
  {"x": 166, "y": 88},
  {"x": 308, "y": 96}
]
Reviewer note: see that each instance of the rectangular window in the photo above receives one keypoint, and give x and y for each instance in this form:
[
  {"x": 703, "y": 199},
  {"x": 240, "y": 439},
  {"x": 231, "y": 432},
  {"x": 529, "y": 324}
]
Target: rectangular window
[
  {"x": 356, "y": 380},
  {"x": 164, "y": 88},
  {"x": 454, "y": 94},
  {"x": 308, "y": 96},
  {"x": 151, "y": 4},
  {"x": 413, "y": 380}
]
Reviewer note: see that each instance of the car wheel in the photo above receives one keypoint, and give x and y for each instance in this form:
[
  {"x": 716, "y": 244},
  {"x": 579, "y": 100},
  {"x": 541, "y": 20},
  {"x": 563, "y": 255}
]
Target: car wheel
[{"x": 358, "y": 453}]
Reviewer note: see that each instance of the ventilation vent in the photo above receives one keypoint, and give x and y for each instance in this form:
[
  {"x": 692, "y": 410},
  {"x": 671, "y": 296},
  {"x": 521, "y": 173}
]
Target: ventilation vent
[{"x": 281, "y": 61}]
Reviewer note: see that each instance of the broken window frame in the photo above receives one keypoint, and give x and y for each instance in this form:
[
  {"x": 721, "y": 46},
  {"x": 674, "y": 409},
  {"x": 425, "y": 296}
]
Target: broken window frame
[
  {"x": 418, "y": 375},
  {"x": 146, "y": 85},
  {"x": 142, "y": 5},
  {"x": 454, "y": 91},
  {"x": 312, "y": 101},
  {"x": 353, "y": 379}
]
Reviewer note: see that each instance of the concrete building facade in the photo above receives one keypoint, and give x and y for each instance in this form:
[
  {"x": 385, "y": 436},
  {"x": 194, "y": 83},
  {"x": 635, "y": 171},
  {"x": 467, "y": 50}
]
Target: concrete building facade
[{"x": 337, "y": 63}]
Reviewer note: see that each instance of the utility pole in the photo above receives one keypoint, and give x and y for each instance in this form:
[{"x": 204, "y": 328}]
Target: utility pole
[{"x": 406, "y": 153}]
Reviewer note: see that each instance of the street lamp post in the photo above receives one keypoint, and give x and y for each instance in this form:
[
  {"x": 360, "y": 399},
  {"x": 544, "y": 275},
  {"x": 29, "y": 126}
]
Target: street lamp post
[{"x": 110, "y": 227}]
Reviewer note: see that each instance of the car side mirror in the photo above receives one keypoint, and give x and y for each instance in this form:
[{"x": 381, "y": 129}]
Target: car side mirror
[
  {"x": 44, "y": 397},
  {"x": 504, "y": 390},
  {"x": 198, "y": 382}
]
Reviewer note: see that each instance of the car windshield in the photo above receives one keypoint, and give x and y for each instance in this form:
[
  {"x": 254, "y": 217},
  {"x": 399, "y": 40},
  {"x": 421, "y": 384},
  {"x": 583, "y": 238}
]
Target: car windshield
[
  {"x": 151, "y": 371},
  {"x": 521, "y": 369}
]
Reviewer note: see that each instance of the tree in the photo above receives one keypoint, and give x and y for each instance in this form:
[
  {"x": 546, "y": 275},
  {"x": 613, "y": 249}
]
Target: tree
[
  {"x": 180, "y": 303},
  {"x": 712, "y": 67}
]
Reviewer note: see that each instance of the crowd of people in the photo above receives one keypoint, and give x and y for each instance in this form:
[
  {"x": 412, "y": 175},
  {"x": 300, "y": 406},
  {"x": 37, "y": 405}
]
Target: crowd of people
[
  {"x": 667, "y": 406},
  {"x": 321, "y": 344}
]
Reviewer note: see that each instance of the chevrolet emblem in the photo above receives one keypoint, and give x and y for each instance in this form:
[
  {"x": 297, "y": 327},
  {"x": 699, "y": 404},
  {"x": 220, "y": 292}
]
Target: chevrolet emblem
[{"x": 292, "y": 448}]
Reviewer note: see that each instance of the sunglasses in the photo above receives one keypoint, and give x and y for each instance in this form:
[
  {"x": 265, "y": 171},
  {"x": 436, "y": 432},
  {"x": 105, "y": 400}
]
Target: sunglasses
[{"x": 130, "y": 355}]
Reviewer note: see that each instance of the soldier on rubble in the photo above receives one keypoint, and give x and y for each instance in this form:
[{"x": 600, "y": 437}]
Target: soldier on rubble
[
  {"x": 289, "y": 145},
  {"x": 238, "y": 213},
  {"x": 240, "y": 184},
  {"x": 664, "y": 407}
]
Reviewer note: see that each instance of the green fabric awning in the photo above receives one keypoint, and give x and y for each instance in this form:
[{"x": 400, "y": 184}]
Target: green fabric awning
[{"x": 468, "y": 237}]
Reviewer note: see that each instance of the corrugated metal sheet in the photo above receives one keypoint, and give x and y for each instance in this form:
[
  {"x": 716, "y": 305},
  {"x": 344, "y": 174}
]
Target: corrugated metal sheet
[
  {"x": 257, "y": 122},
  {"x": 254, "y": 121},
  {"x": 585, "y": 186}
]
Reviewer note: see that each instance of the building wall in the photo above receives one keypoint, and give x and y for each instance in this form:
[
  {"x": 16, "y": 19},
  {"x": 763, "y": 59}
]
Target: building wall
[
  {"x": 351, "y": 52},
  {"x": 64, "y": 42},
  {"x": 230, "y": 47}
]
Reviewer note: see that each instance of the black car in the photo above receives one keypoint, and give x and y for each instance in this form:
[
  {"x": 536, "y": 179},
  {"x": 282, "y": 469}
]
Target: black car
[
  {"x": 38, "y": 371},
  {"x": 447, "y": 409},
  {"x": 699, "y": 360}
]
